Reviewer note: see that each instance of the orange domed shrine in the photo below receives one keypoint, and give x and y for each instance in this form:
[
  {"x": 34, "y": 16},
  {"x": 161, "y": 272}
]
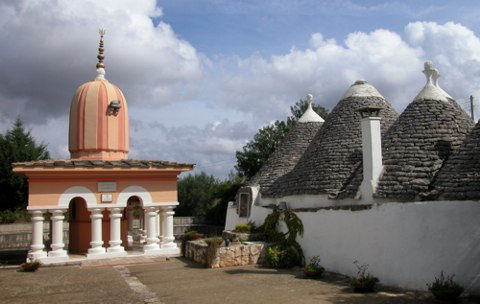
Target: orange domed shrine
[
  {"x": 99, "y": 119},
  {"x": 102, "y": 191}
]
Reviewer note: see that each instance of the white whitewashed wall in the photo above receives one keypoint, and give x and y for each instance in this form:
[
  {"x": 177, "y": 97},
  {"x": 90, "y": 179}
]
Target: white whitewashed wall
[{"x": 405, "y": 244}]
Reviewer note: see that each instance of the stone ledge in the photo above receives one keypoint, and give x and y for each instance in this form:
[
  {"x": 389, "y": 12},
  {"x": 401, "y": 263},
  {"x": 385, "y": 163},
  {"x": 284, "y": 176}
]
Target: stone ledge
[{"x": 241, "y": 254}]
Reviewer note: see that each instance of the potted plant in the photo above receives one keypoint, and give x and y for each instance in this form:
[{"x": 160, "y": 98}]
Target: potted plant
[
  {"x": 364, "y": 281},
  {"x": 445, "y": 289},
  {"x": 313, "y": 269}
]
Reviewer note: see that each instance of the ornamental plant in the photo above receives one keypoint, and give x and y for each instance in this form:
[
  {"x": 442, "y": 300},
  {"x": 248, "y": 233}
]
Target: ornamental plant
[
  {"x": 243, "y": 228},
  {"x": 444, "y": 288},
  {"x": 314, "y": 269},
  {"x": 364, "y": 281},
  {"x": 213, "y": 244},
  {"x": 30, "y": 266},
  {"x": 285, "y": 252},
  {"x": 189, "y": 236}
]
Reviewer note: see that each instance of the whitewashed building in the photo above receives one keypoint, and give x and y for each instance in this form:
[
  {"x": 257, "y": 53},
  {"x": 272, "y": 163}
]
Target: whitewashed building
[{"x": 400, "y": 193}]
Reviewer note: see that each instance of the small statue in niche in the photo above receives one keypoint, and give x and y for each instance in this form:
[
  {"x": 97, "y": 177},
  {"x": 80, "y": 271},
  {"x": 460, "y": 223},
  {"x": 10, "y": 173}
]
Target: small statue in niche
[{"x": 113, "y": 107}]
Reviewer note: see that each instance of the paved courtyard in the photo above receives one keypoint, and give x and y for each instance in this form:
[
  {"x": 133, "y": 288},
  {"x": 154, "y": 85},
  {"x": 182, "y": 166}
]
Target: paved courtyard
[{"x": 179, "y": 281}]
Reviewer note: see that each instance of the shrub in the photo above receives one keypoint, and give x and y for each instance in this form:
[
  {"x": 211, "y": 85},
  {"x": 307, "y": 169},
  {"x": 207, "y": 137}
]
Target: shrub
[
  {"x": 30, "y": 266},
  {"x": 281, "y": 257},
  {"x": 8, "y": 216},
  {"x": 285, "y": 241},
  {"x": 444, "y": 288},
  {"x": 364, "y": 281},
  {"x": 192, "y": 235},
  {"x": 189, "y": 236},
  {"x": 313, "y": 269},
  {"x": 243, "y": 228},
  {"x": 213, "y": 244}
]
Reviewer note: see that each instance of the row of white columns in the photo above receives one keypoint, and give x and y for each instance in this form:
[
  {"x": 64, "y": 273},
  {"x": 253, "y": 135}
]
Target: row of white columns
[{"x": 158, "y": 223}]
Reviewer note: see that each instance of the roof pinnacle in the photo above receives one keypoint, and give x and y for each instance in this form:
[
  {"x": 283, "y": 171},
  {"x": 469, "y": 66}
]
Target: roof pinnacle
[
  {"x": 100, "y": 56},
  {"x": 310, "y": 115},
  {"x": 432, "y": 90}
]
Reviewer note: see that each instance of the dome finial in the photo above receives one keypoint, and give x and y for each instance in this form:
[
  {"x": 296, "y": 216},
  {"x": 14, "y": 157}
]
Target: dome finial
[
  {"x": 100, "y": 56},
  {"x": 428, "y": 70},
  {"x": 309, "y": 100},
  {"x": 310, "y": 115},
  {"x": 100, "y": 64},
  {"x": 432, "y": 90}
]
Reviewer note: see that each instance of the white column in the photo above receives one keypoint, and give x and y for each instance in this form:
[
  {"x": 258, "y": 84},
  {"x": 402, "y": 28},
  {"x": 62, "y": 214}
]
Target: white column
[
  {"x": 36, "y": 249},
  {"x": 157, "y": 224},
  {"x": 167, "y": 228},
  {"x": 115, "y": 232},
  {"x": 96, "y": 248},
  {"x": 57, "y": 245},
  {"x": 152, "y": 240}
]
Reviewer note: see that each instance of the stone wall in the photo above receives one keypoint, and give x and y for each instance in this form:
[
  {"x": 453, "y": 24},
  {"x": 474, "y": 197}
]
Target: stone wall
[{"x": 241, "y": 254}]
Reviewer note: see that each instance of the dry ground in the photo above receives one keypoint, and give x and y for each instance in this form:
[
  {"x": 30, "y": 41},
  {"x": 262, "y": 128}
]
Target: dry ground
[{"x": 179, "y": 281}]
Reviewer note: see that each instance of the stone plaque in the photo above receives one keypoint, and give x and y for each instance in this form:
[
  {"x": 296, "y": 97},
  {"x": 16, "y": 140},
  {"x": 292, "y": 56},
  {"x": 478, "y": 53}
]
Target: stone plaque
[
  {"x": 107, "y": 198},
  {"x": 107, "y": 187}
]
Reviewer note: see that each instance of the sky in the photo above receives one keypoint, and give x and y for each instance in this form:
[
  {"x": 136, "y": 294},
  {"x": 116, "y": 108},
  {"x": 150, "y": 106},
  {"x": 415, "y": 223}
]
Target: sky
[{"x": 202, "y": 76}]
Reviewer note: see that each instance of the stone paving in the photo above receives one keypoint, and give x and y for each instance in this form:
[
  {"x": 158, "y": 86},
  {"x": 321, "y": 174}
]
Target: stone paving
[{"x": 179, "y": 281}]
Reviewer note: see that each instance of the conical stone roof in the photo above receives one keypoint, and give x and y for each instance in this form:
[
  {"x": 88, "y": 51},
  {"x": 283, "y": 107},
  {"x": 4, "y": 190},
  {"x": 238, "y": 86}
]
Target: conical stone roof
[
  {"x": 460, "y": 177},
  {"x": 430, "y": 129},
  {"x": 333, "y": 157},
  {"x": 288, "y": 151}
]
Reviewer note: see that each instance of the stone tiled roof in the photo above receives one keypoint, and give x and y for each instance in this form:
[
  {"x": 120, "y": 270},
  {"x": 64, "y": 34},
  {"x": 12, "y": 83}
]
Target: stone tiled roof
[
  {"x": 286, "y": 154},
  {"x": 335, "y": 154},
  {"x": 460, "y": 176},
  {"x": 416, "y": 146},
  {"x": 74, "y": 163}
]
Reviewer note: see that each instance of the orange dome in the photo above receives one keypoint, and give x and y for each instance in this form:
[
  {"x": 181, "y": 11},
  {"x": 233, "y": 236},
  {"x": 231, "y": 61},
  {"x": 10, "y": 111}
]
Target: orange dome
[{"x": 98, "y": 119}]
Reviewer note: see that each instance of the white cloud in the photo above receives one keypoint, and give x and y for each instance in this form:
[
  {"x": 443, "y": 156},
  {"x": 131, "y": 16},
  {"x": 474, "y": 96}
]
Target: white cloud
[
  {"x": 326, "y": 68},
  {"x": 49, "y": 48},
  {"x": 187, "y": 106}
]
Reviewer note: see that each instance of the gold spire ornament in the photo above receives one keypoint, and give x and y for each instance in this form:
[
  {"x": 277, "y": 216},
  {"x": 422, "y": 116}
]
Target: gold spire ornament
[
  {"x": 100, "y": 64},
  {"x": 100, "y": 56}
]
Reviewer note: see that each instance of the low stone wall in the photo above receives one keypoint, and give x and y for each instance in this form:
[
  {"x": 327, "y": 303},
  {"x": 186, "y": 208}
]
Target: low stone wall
[
  {"x": 241, "y": 254},
  {"x": 18, "y": 236}
]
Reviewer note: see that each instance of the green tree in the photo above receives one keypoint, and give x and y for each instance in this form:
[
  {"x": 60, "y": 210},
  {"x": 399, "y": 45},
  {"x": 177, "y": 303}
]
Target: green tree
[
  {"x": 196, "y": 194},
  {"x": 226, "y": 192},
  {"x": 254, "y": 154},
  {"x": 17, "y": 145}
]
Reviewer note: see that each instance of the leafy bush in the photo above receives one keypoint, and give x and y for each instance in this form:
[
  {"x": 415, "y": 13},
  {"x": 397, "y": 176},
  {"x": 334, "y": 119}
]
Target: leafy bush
[
  {"x": 290, "y": 252},
  {"x": 189, "y": 236},
  {"x": 282, "y": 257},
  {"x": 364, "y": 281},
  {"x": 213, "y": 244},
  {"x": 313, "y": 269},
  {"x": 192, "y": 235},
  {"x": 243, "y": 228},
  {"x": 19, "y": 215},
  {"x": 7, "y": 217},
  {"x": 444, "y": 288},
  {"x": 30, "y": 266}
]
